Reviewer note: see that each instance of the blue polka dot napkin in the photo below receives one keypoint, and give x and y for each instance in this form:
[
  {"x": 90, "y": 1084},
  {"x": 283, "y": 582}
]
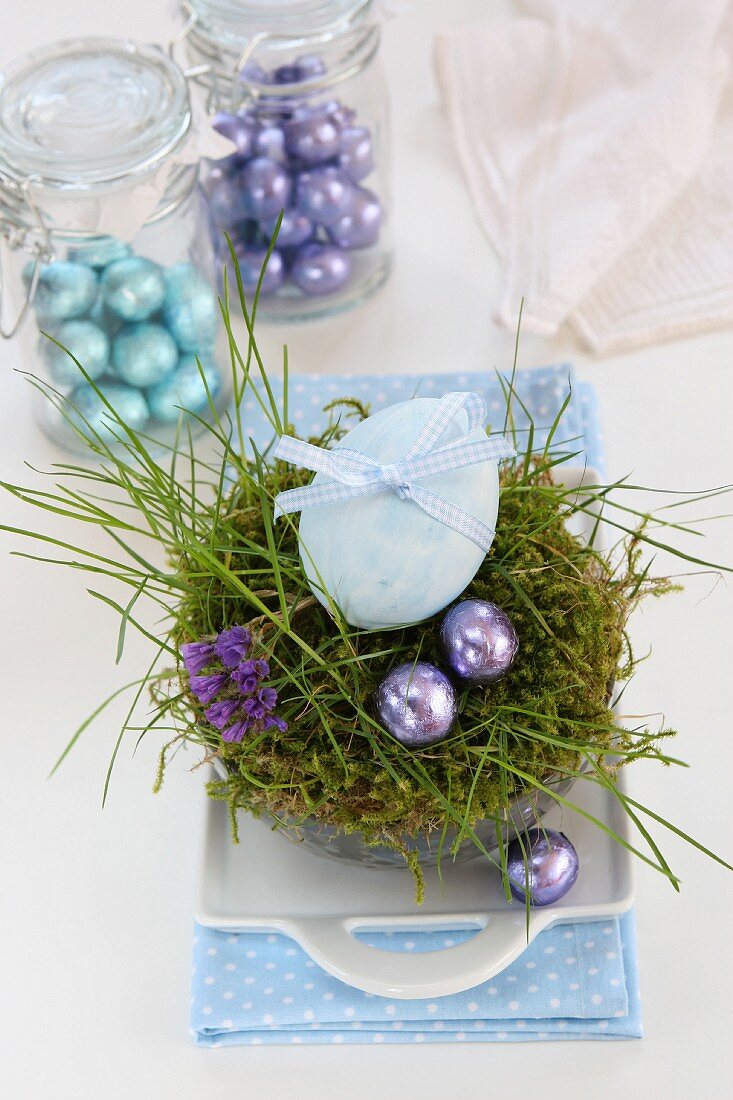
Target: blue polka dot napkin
[
  {"x": 575, "y": 981},
  {"x": 541, "y": 391}
]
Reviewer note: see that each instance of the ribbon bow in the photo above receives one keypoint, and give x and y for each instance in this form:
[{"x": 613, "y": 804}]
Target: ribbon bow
[{"x": 354, "y": 474}]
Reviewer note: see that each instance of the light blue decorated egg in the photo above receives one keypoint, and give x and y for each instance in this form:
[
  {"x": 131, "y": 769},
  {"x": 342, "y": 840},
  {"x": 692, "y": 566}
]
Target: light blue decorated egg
[
  {"x": 133, "y": 288},
  {"x": 144, "y": 354},
  {"x": 190, "y": 308},
  {"x": 64, "y": 290},
  {"x": 184, "y": 389},
  {"x": 128, "y": 403},
  {"x": 83, "y": 340},
  {"x": 381, "y": 558}
]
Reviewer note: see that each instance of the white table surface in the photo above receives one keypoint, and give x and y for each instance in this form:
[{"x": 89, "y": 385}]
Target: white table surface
[{"x": 95, "y": 917}]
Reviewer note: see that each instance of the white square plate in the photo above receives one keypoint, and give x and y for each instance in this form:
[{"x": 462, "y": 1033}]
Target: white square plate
[{"x": 270, "y": 883}]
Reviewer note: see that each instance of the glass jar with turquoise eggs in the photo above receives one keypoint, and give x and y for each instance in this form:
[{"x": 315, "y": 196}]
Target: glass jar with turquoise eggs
[
  {"x": 110, "y": 273},
  {"x": 298, "y": 86}
]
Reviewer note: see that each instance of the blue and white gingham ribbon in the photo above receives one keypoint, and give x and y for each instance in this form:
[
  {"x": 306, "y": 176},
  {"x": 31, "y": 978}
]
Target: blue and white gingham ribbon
[{"x": 354, "y": 474}]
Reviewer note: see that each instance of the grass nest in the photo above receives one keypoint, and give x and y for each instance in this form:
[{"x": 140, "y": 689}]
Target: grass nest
[{"x": 551, "y": 715}]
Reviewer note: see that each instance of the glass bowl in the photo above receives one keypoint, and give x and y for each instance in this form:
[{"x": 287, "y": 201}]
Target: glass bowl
[{"x": 330, "y": 842}]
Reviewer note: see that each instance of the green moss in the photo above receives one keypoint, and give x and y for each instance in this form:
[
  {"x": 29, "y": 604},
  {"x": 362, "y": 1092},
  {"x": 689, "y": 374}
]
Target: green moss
[{"x": 334, "y": 763}]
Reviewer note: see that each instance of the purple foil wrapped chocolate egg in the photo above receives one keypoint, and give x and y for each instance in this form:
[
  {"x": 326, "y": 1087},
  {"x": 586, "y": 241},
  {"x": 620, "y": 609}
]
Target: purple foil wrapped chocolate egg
[
  {"x": 267, "y": 186},
  {"x": 342, "y": 115},
  {"x": 295, "y": 229},
  {"x": 239, "y": 128},
  {"x": 320, "y": 269},
  {"x": 417, "y": 704},
  {"x": 252, "y": 73},
  {"x": 356, "y": 153},
  {"x": 250, "y": 266},
  {"x": 269, "y": 141},
  {"x": 543, "y": 865},
  {"x": 312, "y": 137},
  {"x": 324, "y": 194},
  {"x": 310, "y": 66},
  {"x": 227, "y": 202},
  {"x": 307, "y": 67},
  {"x": 478, "y": 641},
  {"x": 359, "y": 226}
]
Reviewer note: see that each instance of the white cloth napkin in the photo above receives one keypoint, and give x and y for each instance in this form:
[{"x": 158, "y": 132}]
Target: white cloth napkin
[{"x": 597, "y": 142}]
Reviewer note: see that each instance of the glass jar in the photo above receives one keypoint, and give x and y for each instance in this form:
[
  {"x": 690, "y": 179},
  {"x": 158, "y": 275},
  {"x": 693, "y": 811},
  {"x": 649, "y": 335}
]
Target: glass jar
[
  {"x": 106, "y": 240},
  {"x": 298, "y": 85}
]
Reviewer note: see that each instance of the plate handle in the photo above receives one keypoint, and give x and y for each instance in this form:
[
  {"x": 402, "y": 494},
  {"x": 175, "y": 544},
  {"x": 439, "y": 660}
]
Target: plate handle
[{"x": 405, "y": 976}]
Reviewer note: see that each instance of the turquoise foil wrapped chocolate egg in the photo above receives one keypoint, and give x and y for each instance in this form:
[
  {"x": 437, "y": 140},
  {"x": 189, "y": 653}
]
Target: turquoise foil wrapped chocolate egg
[
  {"x": 133, "y": 288},
  {"x": 144, "y": 354},
  {"x": 190, "y": 309},
  {"x": 64, "y": 290},
  {"x": 100, "y": 251},
  {"x": 129, "y": 404},
  {"x": 105, "y": 319},
  {"x": 184, "y": 388},
  {"x": 82, "y": 341},
  {"x": 381, "y": 558}
]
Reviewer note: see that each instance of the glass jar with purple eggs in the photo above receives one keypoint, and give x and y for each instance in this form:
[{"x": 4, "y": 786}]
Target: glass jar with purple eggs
[
  {"x": 110, "y": 272},
  {"x": 298, "y": 86}
]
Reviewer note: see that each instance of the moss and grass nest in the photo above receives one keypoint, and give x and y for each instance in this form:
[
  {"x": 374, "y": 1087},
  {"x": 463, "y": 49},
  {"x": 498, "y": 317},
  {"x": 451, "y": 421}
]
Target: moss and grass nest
[
  {"x": 193, "y": 551},
  {"x": 550, "y": 716}
]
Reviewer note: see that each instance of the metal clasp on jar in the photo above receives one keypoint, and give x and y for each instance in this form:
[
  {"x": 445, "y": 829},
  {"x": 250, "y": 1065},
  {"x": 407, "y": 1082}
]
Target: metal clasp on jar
[{"x": 21, "y": 228}]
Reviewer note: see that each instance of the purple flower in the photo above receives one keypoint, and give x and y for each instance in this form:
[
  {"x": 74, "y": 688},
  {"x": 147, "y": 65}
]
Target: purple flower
[
  {"x": 247, "y": 677},
  {"x": 206, "y": 688},
  {"x": 246, "y": 684},
  {"x": 268, "y": 697},
  {"x": 254, "y": 708},
  {"x": 237, "y": 731},
  {"x": 221, "y": 713},
  {"x": 196, "y": 656},
  {"x": 230, "y": 667},
  {"x": 232, "y": 646},
  {"x": 272, "y": 720},
  {"x": 258, "y": 706}
]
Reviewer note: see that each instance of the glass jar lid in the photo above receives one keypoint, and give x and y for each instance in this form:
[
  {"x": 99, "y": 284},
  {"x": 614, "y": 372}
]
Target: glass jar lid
[
  {"x": 87, "y": 112},
  {"x": 237, "y": 21}
]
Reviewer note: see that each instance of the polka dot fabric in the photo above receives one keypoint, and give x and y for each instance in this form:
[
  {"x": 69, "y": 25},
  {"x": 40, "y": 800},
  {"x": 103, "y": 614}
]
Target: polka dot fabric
[
  {"x": 575, "y": 981},
  {"x": 542, "y": 391}
]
